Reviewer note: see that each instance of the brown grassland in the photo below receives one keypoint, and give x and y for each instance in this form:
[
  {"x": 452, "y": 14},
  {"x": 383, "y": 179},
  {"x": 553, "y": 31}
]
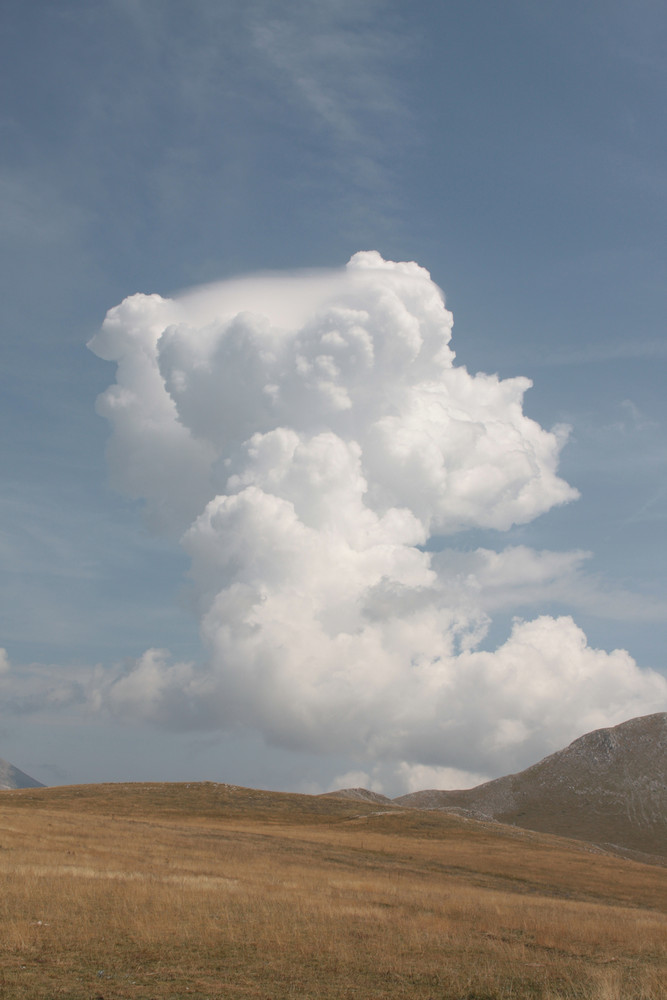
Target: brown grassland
[{"x": 211, "y": 891}]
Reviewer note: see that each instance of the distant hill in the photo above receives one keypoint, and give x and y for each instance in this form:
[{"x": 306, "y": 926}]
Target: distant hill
[
  {"x": 11, "y": 777},
  {"x": 360, "y": 795},
  {"x": 609, "y": 787}
]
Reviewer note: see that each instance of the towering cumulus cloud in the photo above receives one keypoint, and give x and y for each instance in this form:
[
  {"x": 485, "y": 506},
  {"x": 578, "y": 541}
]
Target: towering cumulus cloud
[{"x": 305, "y": 437}]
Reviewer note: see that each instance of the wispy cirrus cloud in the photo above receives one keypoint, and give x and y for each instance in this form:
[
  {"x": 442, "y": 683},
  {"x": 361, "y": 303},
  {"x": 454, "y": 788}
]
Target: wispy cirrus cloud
[{"x": 339, "y": 62}]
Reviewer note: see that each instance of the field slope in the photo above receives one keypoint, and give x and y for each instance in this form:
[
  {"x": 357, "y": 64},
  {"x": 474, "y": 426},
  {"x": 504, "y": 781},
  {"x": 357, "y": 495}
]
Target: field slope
[{"x": 211, "y": 891}]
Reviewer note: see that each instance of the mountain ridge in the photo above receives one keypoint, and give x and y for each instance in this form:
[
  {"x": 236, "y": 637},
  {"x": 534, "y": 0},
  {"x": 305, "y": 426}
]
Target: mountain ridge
[
  {"x": 11, "y": 777},
  {"x": 608, "y": 787}
]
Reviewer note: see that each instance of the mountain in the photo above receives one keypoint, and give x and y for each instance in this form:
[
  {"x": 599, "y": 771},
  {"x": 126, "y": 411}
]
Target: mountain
[
  {"x": 11, "y": 777},
  {"x": 360, "y": 795},
  {"x": 609, "y": 787}
]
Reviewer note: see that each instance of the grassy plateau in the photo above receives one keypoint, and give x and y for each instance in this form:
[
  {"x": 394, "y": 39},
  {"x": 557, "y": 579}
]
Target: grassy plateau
[{"x": 210, "y": 891}]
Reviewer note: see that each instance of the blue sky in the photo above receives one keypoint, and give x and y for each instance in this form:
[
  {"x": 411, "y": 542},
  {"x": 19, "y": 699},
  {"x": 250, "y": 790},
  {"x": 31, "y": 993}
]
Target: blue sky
[{"x": 515, "y": 151}]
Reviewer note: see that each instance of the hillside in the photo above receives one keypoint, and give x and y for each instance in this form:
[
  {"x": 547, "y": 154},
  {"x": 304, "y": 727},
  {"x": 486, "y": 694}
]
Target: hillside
[
  {"x": 608, "y": 787},
  {"x": 166, "y": 891},
  {"x": 11, "y": 777}
]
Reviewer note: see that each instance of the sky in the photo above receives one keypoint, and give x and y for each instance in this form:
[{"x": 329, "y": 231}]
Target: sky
[{"x": 332, "y": 364}]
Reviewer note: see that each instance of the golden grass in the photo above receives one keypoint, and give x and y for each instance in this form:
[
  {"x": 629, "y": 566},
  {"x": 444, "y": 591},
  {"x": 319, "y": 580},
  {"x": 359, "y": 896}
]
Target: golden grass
[{"x": 205, "y": 891}]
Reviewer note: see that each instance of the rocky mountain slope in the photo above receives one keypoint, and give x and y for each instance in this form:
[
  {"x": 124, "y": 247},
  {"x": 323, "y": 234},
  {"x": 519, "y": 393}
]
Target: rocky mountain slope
[
  {"x": 11, "y": 777},
  {"x": 609, "y": 787}
]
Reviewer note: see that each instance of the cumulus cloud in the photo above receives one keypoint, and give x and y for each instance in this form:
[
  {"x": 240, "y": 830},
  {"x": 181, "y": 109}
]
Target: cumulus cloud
[
  {"x": 416, "y": 777},
  {"x": 154, "y": 689},
  {"x": 520, "y": 577},
  {"x": 355, "y": 779},
  {"x": 305, "y": 437}
]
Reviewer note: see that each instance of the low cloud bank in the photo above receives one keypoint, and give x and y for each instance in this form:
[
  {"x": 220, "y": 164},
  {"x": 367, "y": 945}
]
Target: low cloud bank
[{"x": 304, "y": 437}]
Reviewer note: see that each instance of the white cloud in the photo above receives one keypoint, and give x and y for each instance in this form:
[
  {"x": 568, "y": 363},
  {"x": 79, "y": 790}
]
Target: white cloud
[
  {"x": 4, "y": 661},
  {"x": 152, "y": 688},
  {"x": 417, "y": 777},
  {"x": 307, "y": 436},
  {"x": 521, "y": 577},
  {"x": 354, "y": 779}
]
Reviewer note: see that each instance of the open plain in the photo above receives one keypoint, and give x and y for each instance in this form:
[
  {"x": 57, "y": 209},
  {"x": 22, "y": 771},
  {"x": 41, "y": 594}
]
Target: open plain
[{"x": 210, "y": 891}]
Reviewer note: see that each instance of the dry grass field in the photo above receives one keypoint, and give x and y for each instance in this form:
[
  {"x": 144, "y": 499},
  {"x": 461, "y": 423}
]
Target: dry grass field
[{"x": 210, "y": 891}]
